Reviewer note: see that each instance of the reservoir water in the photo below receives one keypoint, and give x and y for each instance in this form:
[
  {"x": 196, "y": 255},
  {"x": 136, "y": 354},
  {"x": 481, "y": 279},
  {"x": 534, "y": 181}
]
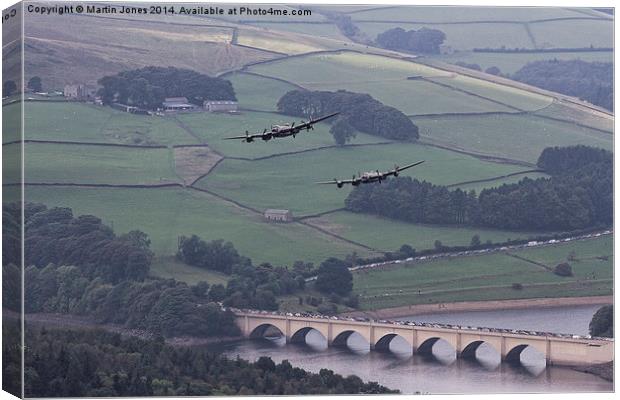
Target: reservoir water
[{"x": 443, "y": 372}]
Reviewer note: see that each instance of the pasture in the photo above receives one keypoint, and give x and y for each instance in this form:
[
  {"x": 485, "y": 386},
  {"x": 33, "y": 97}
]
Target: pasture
[
  {"x": 327, "y": 30},
  {"x": 289, "y": 181},
  {"x": 79, "y": 122},
  {"x": 440, "y": 14},
  {"x": 597, "y": 120},
  {"x": 462, "y": 37},
  {"x": 486, "y": 277},
  {"x": 520, "y": 137},
  {"x": 67, "y": 163},
  {"x": 11, "y": 122},
  {"x": 257, "y": 92},
  {"x": 214, "y": 127},
  {"x": 511, "y": 96},
  {"x": 166, "y": 214},
  {"x": 574, "y": 33},
  {"x": 509, "y": 63},
  {"x": 388, "y": 235},
  {"x": 414, "y": 97}
]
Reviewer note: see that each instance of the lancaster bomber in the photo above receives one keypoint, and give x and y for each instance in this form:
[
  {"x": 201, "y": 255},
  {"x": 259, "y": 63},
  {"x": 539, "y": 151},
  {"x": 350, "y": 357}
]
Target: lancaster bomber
[
  {"x": 279, "y": 131},
  {"x": 368, "y": 177}
]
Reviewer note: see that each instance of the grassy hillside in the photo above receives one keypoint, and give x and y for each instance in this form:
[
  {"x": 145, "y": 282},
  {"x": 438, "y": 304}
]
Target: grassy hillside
[
  {"x": 258, "y": 93},
  {"x": 489, "y": 277},
  {"x": 288, "y": 182},
  {"x": 97, "y": 164},
  {"x": 388, "y": 235},
  {"x": 166, "y": 214},
  {"x": 213, "y": 128},
  {"x": 520, "y": 137}
]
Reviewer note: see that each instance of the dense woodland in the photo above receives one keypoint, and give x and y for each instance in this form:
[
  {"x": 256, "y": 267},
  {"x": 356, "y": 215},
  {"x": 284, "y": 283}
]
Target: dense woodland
[
  {"x": 602, "y": 323},
  {"x": 424, "y": 40},
  {"x": 64, "y": 363},
  {"x": 360, "y": 111},
  {"x": 590, "y": 81},
  {"x": 578, "y": 195},
  {"x": 148, "y": 87},
  {"x": 77, "y": 265}
]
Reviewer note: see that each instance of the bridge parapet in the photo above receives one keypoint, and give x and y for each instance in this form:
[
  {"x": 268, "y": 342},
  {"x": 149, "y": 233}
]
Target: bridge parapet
[{"x": 557, "y": 349}]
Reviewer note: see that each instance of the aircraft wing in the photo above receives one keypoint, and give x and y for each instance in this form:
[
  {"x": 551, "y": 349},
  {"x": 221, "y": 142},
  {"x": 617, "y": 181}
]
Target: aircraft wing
[
  {"x": 398, "y": 169},
  {"x": 244, "y": 137},
  {"x": 335, "y": 182},
  {"x": 314, "y": 121}
]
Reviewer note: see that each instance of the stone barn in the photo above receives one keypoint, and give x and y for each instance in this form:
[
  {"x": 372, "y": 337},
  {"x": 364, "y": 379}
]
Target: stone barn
[{"x": 278, "y": 215}]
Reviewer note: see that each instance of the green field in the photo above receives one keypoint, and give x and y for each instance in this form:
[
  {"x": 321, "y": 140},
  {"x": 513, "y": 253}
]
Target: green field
[
  {"x": 11, "y": 121},
  {"x": 67, "y": 163},
  {"x": 78, "y": 122},
  {"x": 212, "y": 128},
  {"x": 386, "y": 79},
  {"x": 521, "y": 99},
  {"x": 464, "y": 36},
  {"x": 520, "y": 137},
  {"x": 166, "y": 214},
  {"x": 343, "y": 67},
  {"x": 574, "y": 33},
  {"x": 288, "y": 181},
  {"x": 327, "y": 30},
  {"x": 419, "y": 97},
  {"x": 596, "y": 120},
  {"x": 509, "y": 63},
  {"x": 488, "y": 277},
  {"x": 169, "y": 267},
  {"x": 388, "y": 234},
  {"x": 258, "y": 93},
  {"x": 463, "y": 14}
]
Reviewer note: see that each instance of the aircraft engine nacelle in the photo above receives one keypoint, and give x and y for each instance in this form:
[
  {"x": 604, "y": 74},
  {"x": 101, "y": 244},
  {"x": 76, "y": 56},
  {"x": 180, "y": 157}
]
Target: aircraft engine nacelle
[
  {"x": 266, "y": 137},
  {"x": 355, "y": 183},
  {"x": 249, "y": 140},
  {"x": 339, "y": 184},
  {"x": 395, "y": 173}
]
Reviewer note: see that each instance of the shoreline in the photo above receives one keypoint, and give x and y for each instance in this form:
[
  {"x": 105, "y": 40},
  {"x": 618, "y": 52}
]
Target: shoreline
[{"x": 487, "y": 305}]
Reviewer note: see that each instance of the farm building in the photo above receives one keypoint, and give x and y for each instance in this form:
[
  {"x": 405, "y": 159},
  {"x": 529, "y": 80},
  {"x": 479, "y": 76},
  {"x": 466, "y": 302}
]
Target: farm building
[
  {"x": 278, "y": 215},
  {"x": 220, "y": 106},
  {"x": 77, "y": 92},
  {"x": 174, "y": 104}
]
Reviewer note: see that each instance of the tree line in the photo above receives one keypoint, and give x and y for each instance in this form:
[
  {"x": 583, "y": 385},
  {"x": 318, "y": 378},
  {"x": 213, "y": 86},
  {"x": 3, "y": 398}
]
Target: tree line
[
  {"x": 95, "y": 363},
  {"x": 590, "y": 81},
  {"x": 258, "y": 287},
  {"x": 77, "y": 265},
  {"x": 424, "y": 40},
  {"x": 148, "y": 87},
  {"x": 359, "y": 111},
  {"x": 578, "y": 195}
]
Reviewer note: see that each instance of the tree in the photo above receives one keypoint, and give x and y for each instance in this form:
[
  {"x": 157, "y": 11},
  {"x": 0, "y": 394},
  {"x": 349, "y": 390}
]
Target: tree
[
  {"x": 334, "y": 277},
  {"x": 8, "y": 88},
  {"x": 493, "y": 71},
  {"x": 342, "y": 131},
  {"x": 475, "y": 241},
  {"x": 602, "y": 323},
  {"x": 35, "y": 84},
  {"x": 563, "y": 269},
  {"x": 217, "y": 292}
]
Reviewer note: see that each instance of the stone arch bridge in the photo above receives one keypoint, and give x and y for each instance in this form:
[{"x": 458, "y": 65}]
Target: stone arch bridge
[{"x": 556, "y": 350}]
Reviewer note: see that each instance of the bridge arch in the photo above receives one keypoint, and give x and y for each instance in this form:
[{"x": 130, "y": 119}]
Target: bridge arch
[
  {"x": 260, "y": 331},
  {"x": 383, "y": 344},
  {"x": 469, "y": 349},
  {"x": 426, "y": 349},
  {"x": 300, "y": 335},
  {"x": 514, "y": 354}
]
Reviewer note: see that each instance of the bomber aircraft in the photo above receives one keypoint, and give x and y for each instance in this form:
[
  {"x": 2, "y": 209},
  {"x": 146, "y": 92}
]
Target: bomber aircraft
[
  {"x": 368, "y": 177},
  {"x": 278, "y": 131}
]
